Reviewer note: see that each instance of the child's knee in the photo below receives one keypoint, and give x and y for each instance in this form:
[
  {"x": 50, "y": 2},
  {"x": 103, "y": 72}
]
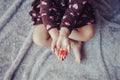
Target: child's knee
[
  {"x": 89, "y": 34},
  {"x": 38, "y": 40},
  {"x": 40, "y": 35}
]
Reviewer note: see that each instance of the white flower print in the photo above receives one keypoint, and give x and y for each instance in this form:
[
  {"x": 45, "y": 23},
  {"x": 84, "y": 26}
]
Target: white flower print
[
  {"x": 50, "y": 9},
  {"x": 67, "y": 23},
  {"x": 64, "y": 17},
  {"x": 38, "y": 19},
  {"x": 43, "y": 14},
  {"x": 62, "y": 4},
  {"x": 51, "y": 17},
  {"x": 48, "y": 26},
  {"x": 33, "y": 22},
  {"x": 70, "y": 6},
  {"x": 78, "y": 14},
  {"x": 89, "y": 23},
  {"x": 34, "y": 14},
  {"x": 84, "y": 2},
  {"x": 38, "y": 6},
  {"x": 39, "y": 16},
  {"x": 44, "y": 3},
  {"x": 75, "y": 6},
  {"x": 71, "y": 14},
  {"x": 92, "y": 20},
  {"x": 58, "y": 23},
  {"x": 54, "y": 9},
  {"x": 70, "y": 1}
]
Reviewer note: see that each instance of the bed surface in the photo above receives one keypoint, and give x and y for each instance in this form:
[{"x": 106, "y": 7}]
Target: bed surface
[{"x": 21, "y": 59}]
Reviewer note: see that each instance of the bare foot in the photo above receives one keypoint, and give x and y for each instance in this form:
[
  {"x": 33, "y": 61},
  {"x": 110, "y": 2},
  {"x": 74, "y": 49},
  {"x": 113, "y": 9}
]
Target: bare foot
[
  {"x": 57, "y": 54},
  {"x": 76, "y": 47}
]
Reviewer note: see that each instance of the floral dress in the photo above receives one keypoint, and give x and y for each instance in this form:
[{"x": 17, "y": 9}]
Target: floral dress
[{"x": 62, "y": 13}]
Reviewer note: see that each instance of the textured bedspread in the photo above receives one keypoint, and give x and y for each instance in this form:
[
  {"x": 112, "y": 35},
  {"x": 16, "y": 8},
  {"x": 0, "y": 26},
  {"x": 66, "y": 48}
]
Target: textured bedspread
[{"x": 21, "y": 59}]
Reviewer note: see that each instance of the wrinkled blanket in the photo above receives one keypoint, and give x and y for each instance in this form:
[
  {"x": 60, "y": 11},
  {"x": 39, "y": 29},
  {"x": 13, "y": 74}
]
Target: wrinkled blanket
[{"x": 21, "y": 59}]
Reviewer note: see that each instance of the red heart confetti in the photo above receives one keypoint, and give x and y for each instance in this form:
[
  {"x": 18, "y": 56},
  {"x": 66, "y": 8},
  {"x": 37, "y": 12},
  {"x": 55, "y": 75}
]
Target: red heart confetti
[{"x": 63, "y": 52}]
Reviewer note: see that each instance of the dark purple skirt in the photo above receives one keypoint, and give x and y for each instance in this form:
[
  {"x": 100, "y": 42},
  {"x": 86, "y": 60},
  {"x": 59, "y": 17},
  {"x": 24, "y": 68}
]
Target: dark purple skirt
[{"x": 86, "y": 15}]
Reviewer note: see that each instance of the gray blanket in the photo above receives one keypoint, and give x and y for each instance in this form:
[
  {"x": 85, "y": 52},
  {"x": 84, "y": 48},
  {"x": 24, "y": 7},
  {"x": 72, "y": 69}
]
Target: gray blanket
[{"x": 21, "y": 59}]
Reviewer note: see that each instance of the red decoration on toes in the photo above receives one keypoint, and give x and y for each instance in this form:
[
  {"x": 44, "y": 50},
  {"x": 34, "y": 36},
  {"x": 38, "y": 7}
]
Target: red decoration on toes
[{"x": 63, "y": 52}]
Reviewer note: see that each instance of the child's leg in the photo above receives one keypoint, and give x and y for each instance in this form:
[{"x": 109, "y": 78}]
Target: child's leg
[
  {"x": 81, "y": 34},
  {"x": 41, "y": 36},
  {"x": 76, "y": 47}
]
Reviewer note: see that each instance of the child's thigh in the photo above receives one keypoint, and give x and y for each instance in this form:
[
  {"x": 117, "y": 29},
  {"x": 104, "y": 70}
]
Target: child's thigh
[
  {"x": 87, "y": 31},
  {"x": 40, "y": 32}
]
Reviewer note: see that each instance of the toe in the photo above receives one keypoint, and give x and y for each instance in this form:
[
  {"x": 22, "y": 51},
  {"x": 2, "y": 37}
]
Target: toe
[
  {"x": 78, "y": 61},
  {"x": 60, "y": 57},
  {"x": 63, "y": 57},
  {"x": 56, "y": 53}
]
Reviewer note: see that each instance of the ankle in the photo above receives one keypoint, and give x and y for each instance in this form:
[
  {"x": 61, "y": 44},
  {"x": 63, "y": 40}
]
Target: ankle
[{"x": 73, "y": 42}]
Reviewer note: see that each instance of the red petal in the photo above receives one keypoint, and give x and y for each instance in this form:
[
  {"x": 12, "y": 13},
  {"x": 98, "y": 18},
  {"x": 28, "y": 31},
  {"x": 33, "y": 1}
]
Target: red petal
[{"x": 63, "y": 52}]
